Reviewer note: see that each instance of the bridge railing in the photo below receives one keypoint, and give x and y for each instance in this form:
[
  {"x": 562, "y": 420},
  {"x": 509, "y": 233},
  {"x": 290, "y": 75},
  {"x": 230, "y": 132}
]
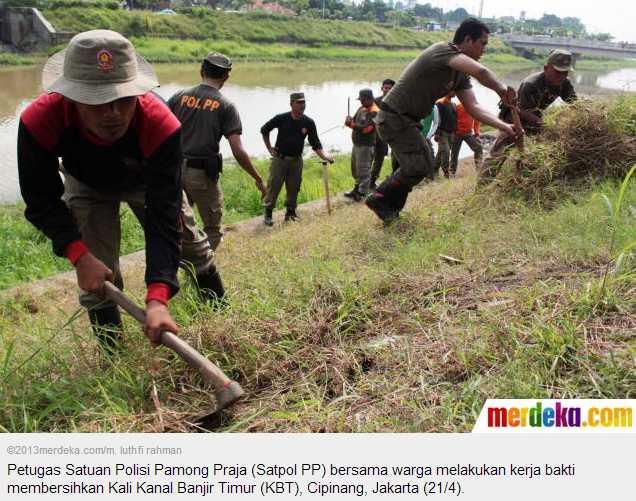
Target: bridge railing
[{"x": 572, "y": 42}]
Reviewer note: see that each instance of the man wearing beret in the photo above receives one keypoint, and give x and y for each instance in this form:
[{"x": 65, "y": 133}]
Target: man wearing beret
[{"x": 287, "y": 155}]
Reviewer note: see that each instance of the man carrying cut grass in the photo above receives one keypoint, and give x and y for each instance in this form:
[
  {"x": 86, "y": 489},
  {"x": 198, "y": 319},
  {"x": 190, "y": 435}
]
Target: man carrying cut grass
[
  {"x": 118, "y": 143},
  {"x": 536, "y": 93},
  {"x": 206, "y": 116},
  {"x": 440, "y": 69}
]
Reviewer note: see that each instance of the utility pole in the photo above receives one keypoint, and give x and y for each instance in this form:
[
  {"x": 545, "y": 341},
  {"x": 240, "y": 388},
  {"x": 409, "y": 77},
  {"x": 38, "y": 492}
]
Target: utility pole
[
  {"x": 323, "y": 9},
  {"x": 481, "y": 9}
]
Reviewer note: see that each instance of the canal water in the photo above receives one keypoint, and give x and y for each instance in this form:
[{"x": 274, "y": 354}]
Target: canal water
[{"x": 261, "y": 90}]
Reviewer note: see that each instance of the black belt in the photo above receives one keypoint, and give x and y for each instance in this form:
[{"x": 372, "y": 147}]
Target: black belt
[
  {"x": 197, "y": 163},
  {"x": 288, "y": 157}
]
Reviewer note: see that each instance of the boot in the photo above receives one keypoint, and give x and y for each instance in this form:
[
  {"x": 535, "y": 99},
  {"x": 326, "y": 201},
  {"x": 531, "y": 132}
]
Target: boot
[
  {"x": 211, "y": 287},
  {"x": 378, "y": 204},
  {"x": 268, "y": 219},
  {"x": 353, "y": 194},
  {"x": 291, "y": 215},
  {"x": 107, "y": 326}
]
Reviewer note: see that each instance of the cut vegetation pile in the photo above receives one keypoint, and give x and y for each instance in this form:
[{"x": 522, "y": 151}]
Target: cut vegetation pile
[{"x": 584, "y": 142}]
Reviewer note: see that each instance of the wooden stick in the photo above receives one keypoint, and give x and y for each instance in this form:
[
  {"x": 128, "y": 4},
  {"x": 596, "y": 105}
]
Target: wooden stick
[
  {"x": 325, "y": 178},
  {"x": 226, "y": 390},
  {"x": 517, "y": 122}
]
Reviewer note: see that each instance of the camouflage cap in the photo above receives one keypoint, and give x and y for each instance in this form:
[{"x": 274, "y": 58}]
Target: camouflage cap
[
  {"x": 220, "y": 60},
  {"x": 560, "y": 60},
  {"x": 297, "y": 96},
  {"x": 365, "y": 93}
]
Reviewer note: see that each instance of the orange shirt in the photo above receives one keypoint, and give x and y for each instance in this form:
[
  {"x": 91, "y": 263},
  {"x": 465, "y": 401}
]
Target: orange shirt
[{"x": 465, "y": 123}]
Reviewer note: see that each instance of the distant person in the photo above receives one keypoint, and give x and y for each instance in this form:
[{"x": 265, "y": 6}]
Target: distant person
[
  {"x": 445, "y": 132},
  {"x": 468, "y": 131},
  {"x": 287, "y": 156},
  {"x": 118, "y": 143},
  {"x": 536, "y": 93},
  {"x": 438, "y": 70},
  {"x": 381, "y": 148},
  {"x": 363, "y": 138},
  {"x": 206, "y": 116}
]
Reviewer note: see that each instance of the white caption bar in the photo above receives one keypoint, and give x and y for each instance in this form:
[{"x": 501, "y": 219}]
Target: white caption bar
[{"x": 320, "y": 466}]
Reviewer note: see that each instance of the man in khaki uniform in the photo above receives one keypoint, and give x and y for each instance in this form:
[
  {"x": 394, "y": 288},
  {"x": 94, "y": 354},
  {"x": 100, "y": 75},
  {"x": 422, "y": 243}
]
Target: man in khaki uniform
[
  {"x": 363, "y": 138},
  {"x": 206, "y": 116},
  {"x": 440, "y": 69},
  {"x": 287, "y": 156}
]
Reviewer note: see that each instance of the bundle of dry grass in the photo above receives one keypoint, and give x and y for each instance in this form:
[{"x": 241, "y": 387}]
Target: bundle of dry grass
[{"x": 583, "y": 142}]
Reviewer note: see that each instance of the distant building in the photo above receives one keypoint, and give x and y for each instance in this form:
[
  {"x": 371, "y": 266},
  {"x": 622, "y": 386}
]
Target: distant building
[
  {"x": 273, "y": 7},
  {"x": 433, "y": 27}
]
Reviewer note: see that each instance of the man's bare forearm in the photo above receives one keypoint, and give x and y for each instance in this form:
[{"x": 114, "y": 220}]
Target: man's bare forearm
[
  {"x": 488, "y": 79},
  {"x": 478, "y": 112},
  {"x": 243, "y": 159}
]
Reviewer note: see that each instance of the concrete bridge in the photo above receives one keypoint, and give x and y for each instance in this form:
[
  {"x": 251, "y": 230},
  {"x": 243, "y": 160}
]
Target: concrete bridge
[{"x": 577, "y": 46}]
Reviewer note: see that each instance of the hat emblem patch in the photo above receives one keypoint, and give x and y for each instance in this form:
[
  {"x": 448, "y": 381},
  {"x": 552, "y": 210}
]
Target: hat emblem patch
[{"x": 104, "y": 60}]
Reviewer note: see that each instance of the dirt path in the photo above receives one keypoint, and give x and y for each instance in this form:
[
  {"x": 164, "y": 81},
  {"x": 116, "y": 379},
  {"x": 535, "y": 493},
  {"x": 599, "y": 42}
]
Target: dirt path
[{"x": 60, "y": 291}]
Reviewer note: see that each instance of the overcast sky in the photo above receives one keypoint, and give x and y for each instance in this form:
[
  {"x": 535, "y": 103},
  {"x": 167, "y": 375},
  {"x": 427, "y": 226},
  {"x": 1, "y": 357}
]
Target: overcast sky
[{"x": 617, "y": 17}]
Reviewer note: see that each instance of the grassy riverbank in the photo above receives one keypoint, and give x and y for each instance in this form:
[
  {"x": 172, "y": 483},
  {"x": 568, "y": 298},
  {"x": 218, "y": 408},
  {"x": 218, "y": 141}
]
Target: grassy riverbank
[
  {"x": 339, "y": 324},
  {"x": 190, "y": 35},
  {"x": 605, "y": 64},
  {"x": 26, "y": 254}
]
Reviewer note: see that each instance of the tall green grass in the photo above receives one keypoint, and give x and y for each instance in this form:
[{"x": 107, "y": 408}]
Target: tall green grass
[
  {"x": 27, "y": 254},
  {"x": 339, "y": 324}
]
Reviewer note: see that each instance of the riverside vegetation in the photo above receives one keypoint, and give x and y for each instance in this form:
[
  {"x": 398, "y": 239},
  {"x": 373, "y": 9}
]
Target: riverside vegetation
[
  {"x": 332, "y": 328},
  {"x": 191, "y": 34}
]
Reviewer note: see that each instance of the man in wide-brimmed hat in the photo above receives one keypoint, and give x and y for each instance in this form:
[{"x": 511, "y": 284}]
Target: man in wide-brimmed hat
[{"x": 118, "y": 143}]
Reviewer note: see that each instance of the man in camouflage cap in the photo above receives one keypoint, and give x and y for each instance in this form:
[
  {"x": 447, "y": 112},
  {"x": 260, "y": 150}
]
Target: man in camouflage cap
[
  {"x": 206, "y": 116},
  {"x": 536, "y": 93}
]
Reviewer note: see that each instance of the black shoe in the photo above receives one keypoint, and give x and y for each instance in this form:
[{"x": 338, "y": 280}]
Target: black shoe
[
  {"x": 107, "y": 326},
  {"x": 354, "y": 193},
  {"x": 376, "y": 203},
  {"x": 268, "y": 219},
  {"x": 211, "y": 287},
  {"x": 291, "y": 215}
]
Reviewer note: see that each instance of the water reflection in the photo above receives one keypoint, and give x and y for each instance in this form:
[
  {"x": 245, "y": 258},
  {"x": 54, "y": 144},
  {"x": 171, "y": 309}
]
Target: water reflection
[{"x": 261, "y": 90}]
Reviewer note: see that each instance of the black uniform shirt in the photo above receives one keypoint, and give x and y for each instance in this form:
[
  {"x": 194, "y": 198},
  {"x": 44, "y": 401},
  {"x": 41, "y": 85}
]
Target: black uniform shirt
[{"x": 292, "y": 134}]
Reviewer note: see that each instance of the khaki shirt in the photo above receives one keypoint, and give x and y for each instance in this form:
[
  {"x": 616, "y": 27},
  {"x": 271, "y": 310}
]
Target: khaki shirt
[
  {"x": 425, "y": 80},
  {"x": 205, "y": 117}
]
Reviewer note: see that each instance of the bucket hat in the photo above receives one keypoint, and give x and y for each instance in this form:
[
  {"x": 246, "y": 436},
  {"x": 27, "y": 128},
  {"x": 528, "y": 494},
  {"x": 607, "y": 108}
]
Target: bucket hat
[{"x": 97, "y": 67}]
